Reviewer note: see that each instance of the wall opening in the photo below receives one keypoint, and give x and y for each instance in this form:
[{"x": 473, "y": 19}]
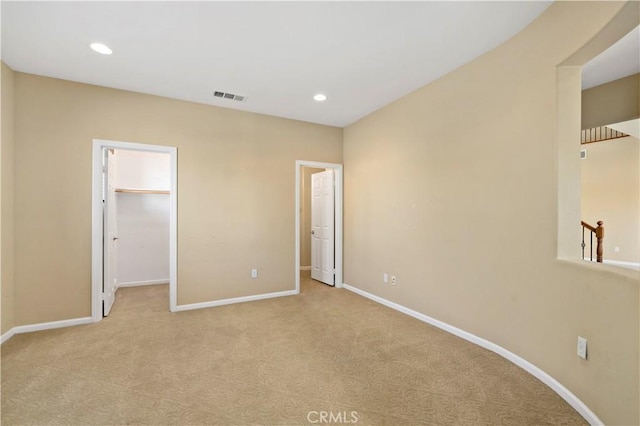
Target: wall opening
[
  {"x": 569, "y": 126},
  {"x": 303, "y": 168},
  {"x": 144, "y": 185}
]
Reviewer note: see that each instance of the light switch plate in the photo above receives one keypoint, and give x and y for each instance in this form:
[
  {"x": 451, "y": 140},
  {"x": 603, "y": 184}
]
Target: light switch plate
[{"x": 582, "y": 347}]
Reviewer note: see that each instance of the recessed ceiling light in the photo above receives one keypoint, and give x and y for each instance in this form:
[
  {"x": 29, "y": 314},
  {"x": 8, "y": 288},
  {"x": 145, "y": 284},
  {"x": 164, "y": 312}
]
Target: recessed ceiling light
[
  {"x": 320, "y": 97},
  {"x": 101, "y": 48}
]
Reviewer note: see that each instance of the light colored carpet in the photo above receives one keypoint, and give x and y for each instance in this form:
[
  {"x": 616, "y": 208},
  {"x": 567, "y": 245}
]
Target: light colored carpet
[{"x": 278, "y": 361}]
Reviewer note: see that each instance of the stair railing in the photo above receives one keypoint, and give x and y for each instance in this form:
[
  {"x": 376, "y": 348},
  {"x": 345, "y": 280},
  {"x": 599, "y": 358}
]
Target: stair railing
[
  {"x": 599, "y": 134},
  {"x": 598, "y": 232}
]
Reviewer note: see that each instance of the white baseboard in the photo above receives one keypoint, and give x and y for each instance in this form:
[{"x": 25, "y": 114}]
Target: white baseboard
[
  {"x": 141, "y": 283},
  {"x": 541, "y": 375},
  {"x": 305, "y": 268},
  {"x": 88, "y": 320},
  {"x": 8, "y": 335},
  {"x": 45, "y": 326},
  {"x": 233, "y": 300}
]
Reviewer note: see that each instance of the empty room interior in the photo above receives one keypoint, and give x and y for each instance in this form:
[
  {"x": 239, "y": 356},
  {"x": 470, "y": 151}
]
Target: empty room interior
[{"x": 320, "y": 213}]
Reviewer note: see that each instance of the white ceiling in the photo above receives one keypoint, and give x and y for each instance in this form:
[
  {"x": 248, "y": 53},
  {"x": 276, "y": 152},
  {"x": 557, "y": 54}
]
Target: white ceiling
[
  {"x": 620, "y": 60},
  {"x": 362, "y": 55}
]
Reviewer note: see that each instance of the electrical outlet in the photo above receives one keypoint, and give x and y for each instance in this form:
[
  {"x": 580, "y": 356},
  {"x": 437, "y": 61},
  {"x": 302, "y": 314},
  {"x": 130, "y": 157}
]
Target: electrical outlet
[
  {"x": 385, "y": 278},
  {"x": 393, "y": 280},
  {"x": 582, "y": 347},
  {"x": 254, "y": 273},
  {"x": 616, "y": 249}
]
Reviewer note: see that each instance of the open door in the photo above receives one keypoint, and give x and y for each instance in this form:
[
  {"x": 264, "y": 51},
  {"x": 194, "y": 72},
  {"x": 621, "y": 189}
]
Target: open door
[
  {"x": 110, "y": 233},
  {"x": 323, "y": 227}
]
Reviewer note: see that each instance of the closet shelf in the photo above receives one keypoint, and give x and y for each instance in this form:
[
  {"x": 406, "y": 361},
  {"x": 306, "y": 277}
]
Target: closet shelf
[{"x": 142, "y": 191}]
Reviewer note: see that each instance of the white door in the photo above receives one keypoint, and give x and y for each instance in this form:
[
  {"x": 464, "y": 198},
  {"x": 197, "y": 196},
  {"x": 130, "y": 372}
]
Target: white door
[
  {"x": 110, "y": 234},
  {"x": 322, "y": 227}
]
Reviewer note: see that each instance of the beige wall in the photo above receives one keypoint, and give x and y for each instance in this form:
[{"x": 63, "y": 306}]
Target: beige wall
[
  {"x": 305, "y": 217},
  {"x": 6, "y": 211},
  {"x": 458, "y": 180},
  {"x": 611, "y": 193},
  {"x": 236, "y": 183},
  {"x": 611, "y": 103}
]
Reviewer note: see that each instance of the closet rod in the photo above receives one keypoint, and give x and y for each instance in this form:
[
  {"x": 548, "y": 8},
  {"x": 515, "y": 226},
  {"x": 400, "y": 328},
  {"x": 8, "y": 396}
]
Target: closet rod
[{"x": 142, "y": 191}]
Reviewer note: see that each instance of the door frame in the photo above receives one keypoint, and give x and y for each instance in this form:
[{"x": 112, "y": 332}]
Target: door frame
[
  {"x": 97, "y": 222},
  {"x": 337, "y": 179}
]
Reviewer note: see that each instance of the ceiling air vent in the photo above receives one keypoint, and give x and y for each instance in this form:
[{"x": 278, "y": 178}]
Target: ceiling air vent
[{"x": 230, "y": 96}]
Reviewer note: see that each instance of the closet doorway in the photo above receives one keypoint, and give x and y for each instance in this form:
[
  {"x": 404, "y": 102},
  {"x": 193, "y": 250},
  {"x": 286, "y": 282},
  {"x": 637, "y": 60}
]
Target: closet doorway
[{"x": 134, "y": 220}]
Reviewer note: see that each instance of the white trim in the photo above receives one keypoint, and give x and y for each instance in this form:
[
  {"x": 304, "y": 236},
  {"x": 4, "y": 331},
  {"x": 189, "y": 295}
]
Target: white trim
[
  {"x": 143, "y": 283},
  {"x": 629, "y": 265},
  {"x": 305, "y": 268},
  {"x": 8, "y": 335},
  {"x": 541, "y": 375},
  {"x": 233, "y": 300},
  {"x": 173, "y": 232},
  {"x": 337, "y": 176},
  {"x": 97, "y": 226},
  {"x": 45, "y": 326}
]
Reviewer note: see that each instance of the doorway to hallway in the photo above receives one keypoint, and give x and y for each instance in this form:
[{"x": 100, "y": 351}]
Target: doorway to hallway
[{"x": 319, "y": 235}]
